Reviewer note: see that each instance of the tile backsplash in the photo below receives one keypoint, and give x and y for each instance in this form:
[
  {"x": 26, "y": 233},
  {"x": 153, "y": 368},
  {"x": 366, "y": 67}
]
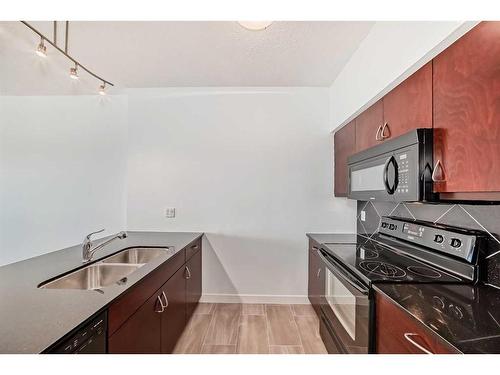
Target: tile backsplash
[{"x": 480, "y": 217}]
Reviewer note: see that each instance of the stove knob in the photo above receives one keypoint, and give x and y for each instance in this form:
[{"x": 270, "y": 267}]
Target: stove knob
[
  {"x": 438, "y": 238},
  {"x": 456, "y": 243}
]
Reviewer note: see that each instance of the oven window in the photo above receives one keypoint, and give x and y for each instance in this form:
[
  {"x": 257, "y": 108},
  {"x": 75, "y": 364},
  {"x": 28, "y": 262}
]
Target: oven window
[
  {"x": 342, "y": 302},
  {"x": 368, "y": 179}
]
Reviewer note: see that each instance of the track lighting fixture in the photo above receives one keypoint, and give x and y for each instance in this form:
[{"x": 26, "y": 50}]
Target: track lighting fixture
[
  {"x": 73, "y": 72},
  {"x": 41, "y": 50},
  {"x": 102, "y": 89}
]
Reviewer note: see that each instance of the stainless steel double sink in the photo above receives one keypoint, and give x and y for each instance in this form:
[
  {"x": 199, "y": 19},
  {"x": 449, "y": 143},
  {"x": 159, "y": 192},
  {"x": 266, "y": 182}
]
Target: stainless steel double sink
[{"x": 108, "y": 271}]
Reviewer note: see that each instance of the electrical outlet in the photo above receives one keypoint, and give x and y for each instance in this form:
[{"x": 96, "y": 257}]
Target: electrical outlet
[
  {"x": 170, "y": 212},
  {"x": 363, "y": 215}
]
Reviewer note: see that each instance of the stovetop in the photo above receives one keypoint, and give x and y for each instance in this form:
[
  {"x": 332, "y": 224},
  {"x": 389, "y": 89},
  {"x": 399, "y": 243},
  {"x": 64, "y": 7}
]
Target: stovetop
[{"x": 373, "y": 262}]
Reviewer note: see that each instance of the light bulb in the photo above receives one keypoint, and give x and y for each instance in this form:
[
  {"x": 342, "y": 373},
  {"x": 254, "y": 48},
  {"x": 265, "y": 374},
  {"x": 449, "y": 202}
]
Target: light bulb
[
  {"x": 41, "y": 50},
  {"x": 73, "y": 72},
  {"x": 255, "y": 25},
  {"x": 102, "y": 89}
]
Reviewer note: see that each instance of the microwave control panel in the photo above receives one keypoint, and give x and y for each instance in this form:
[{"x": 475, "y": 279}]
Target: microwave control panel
[{"x": 408, "y": 187}]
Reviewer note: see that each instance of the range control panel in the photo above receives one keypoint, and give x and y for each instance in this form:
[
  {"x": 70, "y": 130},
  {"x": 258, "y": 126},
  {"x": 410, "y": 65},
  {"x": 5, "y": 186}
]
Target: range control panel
[{"x": 440, "y": 238}]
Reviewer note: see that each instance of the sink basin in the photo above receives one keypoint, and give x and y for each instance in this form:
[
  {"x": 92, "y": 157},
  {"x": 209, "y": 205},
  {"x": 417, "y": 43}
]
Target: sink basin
[
  {"x": 94, "y": 276},
  {"x": 108, "y": 271},
  {"x": 137, "y": 255}
]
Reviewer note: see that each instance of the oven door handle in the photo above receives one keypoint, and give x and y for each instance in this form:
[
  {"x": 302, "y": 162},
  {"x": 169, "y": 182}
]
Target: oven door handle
[{"x": 337, "y": 270}]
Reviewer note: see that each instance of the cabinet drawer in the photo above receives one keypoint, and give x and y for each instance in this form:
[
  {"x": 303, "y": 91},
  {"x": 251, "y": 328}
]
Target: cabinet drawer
[
  {"x": 193, "y": 248},
  {"x": 127, "y": 304},
  {"x": 397, "y": 332}
]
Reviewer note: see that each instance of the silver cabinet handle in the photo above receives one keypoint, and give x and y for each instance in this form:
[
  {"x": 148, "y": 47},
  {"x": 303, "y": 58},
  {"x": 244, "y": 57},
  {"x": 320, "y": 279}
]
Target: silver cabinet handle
[
  {"x": 436, "y": 166},
  {"x": 408, "y": 337},
  {"x": 188, "y": 273},
  {"x": 166, "y": 300},
  {"x": 377, "y": 134},
  {"x": 318, "y": 273},
  {"x": 161, "y": 305},
  {"x": 382, "y": 133}
]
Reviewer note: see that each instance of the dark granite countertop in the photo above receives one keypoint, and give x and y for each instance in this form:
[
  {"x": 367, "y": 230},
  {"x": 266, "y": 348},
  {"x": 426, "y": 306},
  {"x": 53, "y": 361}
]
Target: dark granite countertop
[
  {"x": 467, "y": 317},
  {"x": 324, "y": 238},
  {"x": 33, "y": 319}
]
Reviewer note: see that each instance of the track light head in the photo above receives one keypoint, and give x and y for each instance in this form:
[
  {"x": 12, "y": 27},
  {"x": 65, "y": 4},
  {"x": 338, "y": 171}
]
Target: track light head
[
  {"x": 73, "y": 72},
  {"x": 102, "y": 89},
  {"x": 41, "y": 50}
]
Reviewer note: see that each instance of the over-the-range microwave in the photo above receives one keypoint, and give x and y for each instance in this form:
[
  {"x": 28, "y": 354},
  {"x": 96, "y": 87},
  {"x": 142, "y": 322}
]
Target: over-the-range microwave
[{"x": 398, "y": 170}]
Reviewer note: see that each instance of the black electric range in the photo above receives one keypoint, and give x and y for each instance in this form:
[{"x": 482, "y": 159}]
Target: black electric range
[{"x": 402, "y": 251}]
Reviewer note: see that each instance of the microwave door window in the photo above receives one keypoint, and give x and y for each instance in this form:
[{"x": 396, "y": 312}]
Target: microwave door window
[
  {"x": 368, "y": 179},
  {"x": 342, "y": 302}
]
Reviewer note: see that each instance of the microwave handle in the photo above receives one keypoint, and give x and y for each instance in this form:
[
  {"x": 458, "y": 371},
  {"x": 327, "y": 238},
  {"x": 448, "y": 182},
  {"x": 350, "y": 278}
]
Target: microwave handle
[
  {"x": 342, "y": 275},
  {"x": 392, "y": 160}
]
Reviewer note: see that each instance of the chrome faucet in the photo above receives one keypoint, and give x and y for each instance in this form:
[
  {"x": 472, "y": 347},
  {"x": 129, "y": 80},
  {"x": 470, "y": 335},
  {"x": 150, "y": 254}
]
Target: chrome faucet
[{"x": 89, "y": 249}]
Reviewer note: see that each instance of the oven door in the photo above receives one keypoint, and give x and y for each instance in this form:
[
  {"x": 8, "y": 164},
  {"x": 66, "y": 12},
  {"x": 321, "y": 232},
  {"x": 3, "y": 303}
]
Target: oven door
[
  {"x": 374, "y": 179},
  {"x": 345, "y": 309}
]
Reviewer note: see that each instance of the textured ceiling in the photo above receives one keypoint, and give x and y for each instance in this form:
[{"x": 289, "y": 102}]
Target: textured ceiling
[{"x": 173, "y": 54}]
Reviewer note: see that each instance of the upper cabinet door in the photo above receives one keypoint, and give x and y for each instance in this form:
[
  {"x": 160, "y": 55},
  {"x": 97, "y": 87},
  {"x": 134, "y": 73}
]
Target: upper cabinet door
[
  {"x": 409, "y": 105},
  {"x": 368, "y": 126},
  {"x": 467, "y": 112},
  {"x": 344, "y": 146}
]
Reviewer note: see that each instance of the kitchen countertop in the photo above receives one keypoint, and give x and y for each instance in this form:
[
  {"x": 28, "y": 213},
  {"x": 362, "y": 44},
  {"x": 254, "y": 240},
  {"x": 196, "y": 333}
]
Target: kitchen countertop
[
  {"x": 33, "y": 319},
  {"x": 466, "y": 316},
  {"x": 324, "y": 238}
]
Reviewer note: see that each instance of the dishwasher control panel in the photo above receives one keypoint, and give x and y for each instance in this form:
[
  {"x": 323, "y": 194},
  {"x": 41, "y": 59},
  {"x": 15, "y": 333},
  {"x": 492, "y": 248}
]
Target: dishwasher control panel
[{"x": 89, "y": 338}]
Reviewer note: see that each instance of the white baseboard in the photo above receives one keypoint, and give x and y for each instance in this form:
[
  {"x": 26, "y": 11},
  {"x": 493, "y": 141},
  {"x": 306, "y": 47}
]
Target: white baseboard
[{"x": 254, "y": 298}]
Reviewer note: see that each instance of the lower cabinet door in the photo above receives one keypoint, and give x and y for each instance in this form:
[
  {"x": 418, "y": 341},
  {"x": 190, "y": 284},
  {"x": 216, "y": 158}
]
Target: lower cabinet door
[
  {"x": 173, "y": 318},
  {"x": 141, "y": 332},
  {"x": 193, "y": 283},
  {"x": 316, "y": 279},
  {"x": 397, "y": 332}
]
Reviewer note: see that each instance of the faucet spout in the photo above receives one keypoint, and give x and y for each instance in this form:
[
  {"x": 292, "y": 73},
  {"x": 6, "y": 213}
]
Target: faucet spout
[{"x": 88, "y": 248}]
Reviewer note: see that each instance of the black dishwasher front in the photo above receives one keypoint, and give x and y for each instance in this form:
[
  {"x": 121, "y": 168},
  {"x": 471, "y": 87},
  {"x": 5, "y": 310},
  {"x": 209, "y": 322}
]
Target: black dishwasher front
[{"x": 90, "y": 338}]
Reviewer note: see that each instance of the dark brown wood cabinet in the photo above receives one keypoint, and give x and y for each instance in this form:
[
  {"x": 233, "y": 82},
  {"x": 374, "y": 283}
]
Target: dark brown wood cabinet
[
  {"x": 368, "y": 126},
  {"x": 397, "y": 332},
  {"x": 140, "y": 333},
  {"x": 151, "y": 316},
  {"x": 467, "y": 112},
  {"x": 409, "y": 105},
  {"x": 193, "y": 283},
  {"x": 316, "y": 277},
  {"x": 173, "y": 318},
  {"x": 344, "y": 146}
]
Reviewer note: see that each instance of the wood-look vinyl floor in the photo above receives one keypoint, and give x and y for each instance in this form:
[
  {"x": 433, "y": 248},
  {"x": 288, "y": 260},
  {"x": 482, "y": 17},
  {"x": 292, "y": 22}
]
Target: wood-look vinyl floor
[{"x": 229, "y": 328}]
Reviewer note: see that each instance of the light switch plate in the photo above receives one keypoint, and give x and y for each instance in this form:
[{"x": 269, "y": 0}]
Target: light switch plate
[
  {"x": 169, "y": 212},
  {"x": 363, "y": 215}
]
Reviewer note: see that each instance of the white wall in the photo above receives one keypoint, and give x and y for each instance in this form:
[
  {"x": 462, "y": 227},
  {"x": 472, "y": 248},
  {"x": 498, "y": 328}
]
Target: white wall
[
  {"x": 62, "y": 171},
  {"x": 252, "y": 168},
  {"x": 391, "y": 52}
]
